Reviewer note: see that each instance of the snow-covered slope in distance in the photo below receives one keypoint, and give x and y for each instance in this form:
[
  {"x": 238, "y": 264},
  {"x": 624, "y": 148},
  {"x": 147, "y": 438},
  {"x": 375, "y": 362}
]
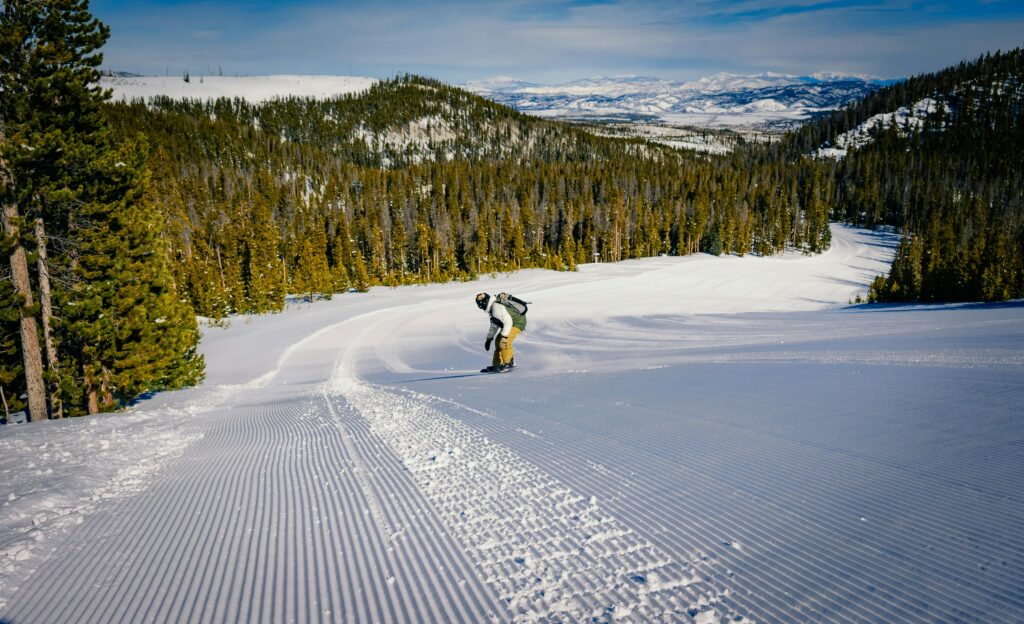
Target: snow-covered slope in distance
[
  {"x": 905, "y": 119},
  {"x": 251, "y": 88},
  {"x": 709, "y": 439}
]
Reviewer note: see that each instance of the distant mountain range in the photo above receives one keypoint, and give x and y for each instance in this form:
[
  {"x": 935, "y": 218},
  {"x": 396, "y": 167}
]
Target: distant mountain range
[{"x": 759, "y": 100}]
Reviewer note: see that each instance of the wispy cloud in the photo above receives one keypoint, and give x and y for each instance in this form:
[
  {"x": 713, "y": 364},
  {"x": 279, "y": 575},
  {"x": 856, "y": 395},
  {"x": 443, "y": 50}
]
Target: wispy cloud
[{"x": 548, "y": 40}]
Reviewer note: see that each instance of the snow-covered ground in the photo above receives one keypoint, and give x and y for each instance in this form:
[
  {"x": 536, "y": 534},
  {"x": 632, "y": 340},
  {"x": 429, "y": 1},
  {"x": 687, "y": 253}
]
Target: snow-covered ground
[
  {"x": 700, "y": 139},
  {"x": 251, "y": 88},
  {"x": 685, "y": 439}
]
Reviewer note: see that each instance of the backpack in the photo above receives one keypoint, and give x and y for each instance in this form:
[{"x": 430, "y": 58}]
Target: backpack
[{"x": 511, "y": 301}]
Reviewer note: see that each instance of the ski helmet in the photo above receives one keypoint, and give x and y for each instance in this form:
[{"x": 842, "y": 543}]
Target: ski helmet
[{"x": 482, "y": 299}]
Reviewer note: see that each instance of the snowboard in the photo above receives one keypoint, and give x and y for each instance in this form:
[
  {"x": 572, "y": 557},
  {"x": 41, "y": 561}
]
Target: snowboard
[{"x": 490, "y": 370}]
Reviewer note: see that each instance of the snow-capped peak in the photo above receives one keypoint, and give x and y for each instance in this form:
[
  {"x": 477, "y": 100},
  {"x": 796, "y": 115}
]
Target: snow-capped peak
[
  {"x": 836, "y": 76},
  {"x": 724, "y": 81},
  {"x": 497, "y": 83}
]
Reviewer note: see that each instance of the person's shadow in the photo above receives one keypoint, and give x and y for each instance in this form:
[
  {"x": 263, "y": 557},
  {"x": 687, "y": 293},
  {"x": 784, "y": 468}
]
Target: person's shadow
[{"x": 401, "y": 381}]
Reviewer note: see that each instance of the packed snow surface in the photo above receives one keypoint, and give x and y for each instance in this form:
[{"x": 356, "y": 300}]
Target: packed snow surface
[
  {"x": 699, "y": 439},
  {"x": 251, "y": 88}
]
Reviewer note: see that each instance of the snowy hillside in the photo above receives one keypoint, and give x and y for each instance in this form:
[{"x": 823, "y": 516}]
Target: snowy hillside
[
  {"x": 685, "y": 439},
  {"x": 905, "y": 119},
  {"x": 719, "y": 100},
  {"x": 708, "y": 140},
  {"x": 251, "y": 88}
]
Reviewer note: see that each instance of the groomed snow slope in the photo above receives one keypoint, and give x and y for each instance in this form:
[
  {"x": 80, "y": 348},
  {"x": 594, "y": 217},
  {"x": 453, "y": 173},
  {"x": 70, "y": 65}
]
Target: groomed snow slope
[{"x": 685, "y": 439}]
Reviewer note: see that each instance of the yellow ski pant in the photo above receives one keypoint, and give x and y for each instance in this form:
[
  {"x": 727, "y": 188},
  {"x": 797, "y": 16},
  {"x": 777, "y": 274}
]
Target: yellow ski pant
[{"x": 503, "y": 351}]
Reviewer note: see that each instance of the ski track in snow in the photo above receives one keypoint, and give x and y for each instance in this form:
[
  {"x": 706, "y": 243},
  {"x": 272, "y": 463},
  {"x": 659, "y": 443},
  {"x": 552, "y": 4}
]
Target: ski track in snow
[
  {"x": 287, "y": 510},
  {"x": 343, "y": 465},
  {"x": 550, "y": 554}
]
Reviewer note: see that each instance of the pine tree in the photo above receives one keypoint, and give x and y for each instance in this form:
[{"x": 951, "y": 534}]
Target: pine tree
[
  {"x": 48, "y": 60},
  {"x": 313, "y": 275},
  {"x": 124, "y": 329},
  {"x": 360, "y": 276},
  {"x": 265, "y": 291}
]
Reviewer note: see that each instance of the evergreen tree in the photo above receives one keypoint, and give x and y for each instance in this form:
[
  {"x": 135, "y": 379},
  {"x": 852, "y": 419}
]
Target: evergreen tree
[
  {"x": 264, "y": 287},
  {"x": 124, "y": 329}
]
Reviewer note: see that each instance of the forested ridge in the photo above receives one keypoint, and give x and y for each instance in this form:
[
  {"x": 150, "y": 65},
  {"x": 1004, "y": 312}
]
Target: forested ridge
[
  {"x": 954, "y": 186},
  {"x": 416, "y": 181}
]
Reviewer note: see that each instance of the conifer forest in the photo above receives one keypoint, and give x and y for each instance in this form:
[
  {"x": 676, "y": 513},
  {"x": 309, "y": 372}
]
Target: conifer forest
[{"x": 124, "y": 221}]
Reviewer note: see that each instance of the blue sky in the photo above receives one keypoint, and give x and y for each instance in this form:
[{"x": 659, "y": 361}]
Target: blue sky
[{"x": 553, "y": 40}]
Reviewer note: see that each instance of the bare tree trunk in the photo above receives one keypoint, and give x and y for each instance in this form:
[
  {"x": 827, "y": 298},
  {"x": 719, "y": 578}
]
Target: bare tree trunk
[
  {"x": 7, "y": 410},
  {"x": 108, "y": 398},
  {"x": 92, "y": 397},
  {"x": 220, "y": 265},
  {"x": 30, "y": 350},
  {"x": 46, "y": 307},
  {"x": 19, "y": 275}
]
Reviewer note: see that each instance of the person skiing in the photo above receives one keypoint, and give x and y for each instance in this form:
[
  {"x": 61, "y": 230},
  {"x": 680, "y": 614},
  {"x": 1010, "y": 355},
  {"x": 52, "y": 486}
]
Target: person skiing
[{"x": 508, "y": 320}]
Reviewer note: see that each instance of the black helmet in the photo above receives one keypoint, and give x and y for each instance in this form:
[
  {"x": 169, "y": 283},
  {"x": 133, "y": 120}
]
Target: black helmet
[{"x": 482, "y": 299}]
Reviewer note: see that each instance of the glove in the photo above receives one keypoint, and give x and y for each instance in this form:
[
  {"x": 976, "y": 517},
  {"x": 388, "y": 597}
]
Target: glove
[{"x": 487, "y": 345}]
